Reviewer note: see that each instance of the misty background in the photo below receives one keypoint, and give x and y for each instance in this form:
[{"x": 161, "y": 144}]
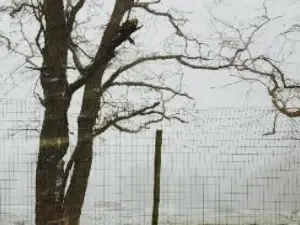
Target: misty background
[{"x": 219, "y": 163}]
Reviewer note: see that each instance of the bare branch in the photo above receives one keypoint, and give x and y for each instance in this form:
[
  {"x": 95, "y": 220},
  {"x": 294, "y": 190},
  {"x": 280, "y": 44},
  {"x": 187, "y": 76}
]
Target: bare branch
[
  {"x": 139, "y": 128},
  {"x": 135, "y": 130},
  {"x": 143, "y": 4},
  {"x": 146, "y": 125},
  {"x": 81, "y": 81},
  {"x": 284, "y": 109},
  {"x": 275, "y": 87},
  {"x": 281, "y": 73},
  {"x": 76, "y": 59},
  {"x": 117, "y": 119},
  {"x": 18, "y": 8},
  {"x": 164, "y": 116},
  {"x": 184, "y": 62},
  {"x": 39, "y": 18},
  {"x": 179, "y": 58},
  {"x": 182, "y": 59},
  {"x": 106, "y": 49},
  {"x": 152, "y": 86},
  {"x": 294, "y": 28},
  {"x": 7, "y": 40},
  {"x": 262, "y": 68},
  {"x": 72, "y": 16},
  {"x": 174, "y": 21}
]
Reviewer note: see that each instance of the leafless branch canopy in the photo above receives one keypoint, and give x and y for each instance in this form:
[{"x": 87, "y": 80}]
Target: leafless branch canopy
[
  {"x": 271, "y": 69},
  {"x": 87, "y": 58}
]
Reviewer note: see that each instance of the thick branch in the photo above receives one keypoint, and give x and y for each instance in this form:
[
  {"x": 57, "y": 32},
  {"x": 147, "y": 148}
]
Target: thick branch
[
  {"x": 106, "y": 49},
  {"x": 280, "y": 72},
  {"x": 72, "y": 16},
  {"x": 284, "y": 110},
  {"x": 138, "y": 129},
  {"x": 81, "y": 81},
  {"x": 141, "y": 60},
  {"x": 76, "y": 59}
]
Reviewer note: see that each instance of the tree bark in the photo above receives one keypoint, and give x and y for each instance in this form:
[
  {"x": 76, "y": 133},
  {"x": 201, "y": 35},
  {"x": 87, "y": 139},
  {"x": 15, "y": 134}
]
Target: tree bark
[
  {"x": 75, "y": 195},
  {"x": 54, "y": 137},
  {"x": 54, "y": 142}
]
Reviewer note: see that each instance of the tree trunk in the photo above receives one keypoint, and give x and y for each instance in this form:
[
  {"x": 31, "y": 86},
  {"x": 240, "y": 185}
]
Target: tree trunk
[
  {"x": 84, "y": 151},
  {"x": 76, "y": 193},
  {"x": 54, "y": 142},
  {"x": 54, "y": 137}
]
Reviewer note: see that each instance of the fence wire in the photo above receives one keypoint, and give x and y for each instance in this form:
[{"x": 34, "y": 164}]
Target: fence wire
[{"x": 221, "y": 167}]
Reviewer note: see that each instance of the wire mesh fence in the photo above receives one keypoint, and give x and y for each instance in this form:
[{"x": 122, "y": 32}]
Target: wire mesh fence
[{"x": 219, "y": 168}]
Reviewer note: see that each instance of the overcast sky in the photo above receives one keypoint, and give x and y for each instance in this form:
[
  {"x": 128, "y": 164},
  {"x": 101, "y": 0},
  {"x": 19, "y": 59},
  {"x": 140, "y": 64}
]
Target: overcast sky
[{"x": 204, "y": 86}]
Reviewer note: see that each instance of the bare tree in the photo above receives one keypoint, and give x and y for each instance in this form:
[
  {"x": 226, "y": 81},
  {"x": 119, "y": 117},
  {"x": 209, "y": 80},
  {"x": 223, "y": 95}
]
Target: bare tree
[
  {"x": 55, "y": 43},
  {"x": 272, "y": 63}
]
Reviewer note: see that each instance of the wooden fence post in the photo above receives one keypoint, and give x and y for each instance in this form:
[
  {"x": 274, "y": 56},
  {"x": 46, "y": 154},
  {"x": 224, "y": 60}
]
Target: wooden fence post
[{"x": 157, "y": 169}]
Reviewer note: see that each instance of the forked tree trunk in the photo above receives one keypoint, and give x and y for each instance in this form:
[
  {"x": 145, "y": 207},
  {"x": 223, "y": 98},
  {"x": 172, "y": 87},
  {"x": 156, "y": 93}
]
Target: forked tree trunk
[
  {"x": 83, "y": 152},
  {"x": 54, "y": 142},
  {"x": 51, "y": 204}
]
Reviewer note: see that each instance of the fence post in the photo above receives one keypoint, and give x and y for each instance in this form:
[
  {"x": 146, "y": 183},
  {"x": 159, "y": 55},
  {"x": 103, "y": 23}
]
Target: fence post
[{"x": 157, "y": 169}]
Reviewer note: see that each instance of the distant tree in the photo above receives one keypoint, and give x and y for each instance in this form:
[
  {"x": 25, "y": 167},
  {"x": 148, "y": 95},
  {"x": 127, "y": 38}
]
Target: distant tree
[{"x": 58, "y": 42}]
